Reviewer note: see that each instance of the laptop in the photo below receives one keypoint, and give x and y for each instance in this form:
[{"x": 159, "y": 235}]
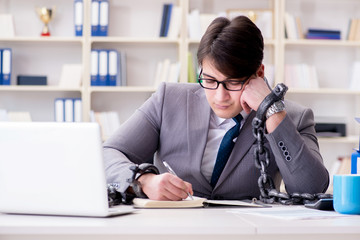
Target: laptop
[{"x": 51, "y": 168}]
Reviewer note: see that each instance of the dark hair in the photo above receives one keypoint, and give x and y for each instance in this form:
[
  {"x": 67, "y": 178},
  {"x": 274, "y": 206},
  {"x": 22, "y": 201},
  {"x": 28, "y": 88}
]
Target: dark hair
[{"x": 236, "y": 47}]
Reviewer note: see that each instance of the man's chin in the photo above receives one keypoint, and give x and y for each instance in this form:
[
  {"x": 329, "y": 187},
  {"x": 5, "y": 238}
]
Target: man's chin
[{"x": 224, "y": 114}]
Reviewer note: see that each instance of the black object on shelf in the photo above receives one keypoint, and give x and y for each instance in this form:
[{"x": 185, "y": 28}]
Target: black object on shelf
[{"x": 31, "y": 80}]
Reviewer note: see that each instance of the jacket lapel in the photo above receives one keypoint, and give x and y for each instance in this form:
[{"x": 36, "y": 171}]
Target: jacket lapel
[
  {"x": 198, "y": 120},
  {"x": 242, "y": 146}
]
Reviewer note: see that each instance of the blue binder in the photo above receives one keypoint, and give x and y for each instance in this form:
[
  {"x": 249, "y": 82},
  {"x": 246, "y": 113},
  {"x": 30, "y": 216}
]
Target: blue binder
[
  {"x": 94, "y": 67},
  {"x": 6, "y": 66},
  {"x": 103, "y": 67},
  {"x": 1, "y": 67},
  {"x": 113, "y": 57},
  {"x": 103, "y": 18},
  {"x": 78, "y": 17},
  {"x": 95, "y": 17},
  {"x": 59, "y": 110}
]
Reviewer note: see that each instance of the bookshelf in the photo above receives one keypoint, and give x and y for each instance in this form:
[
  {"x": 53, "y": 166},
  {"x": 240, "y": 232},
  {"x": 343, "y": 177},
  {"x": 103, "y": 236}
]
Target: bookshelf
[{"x": 134, "y": 28}]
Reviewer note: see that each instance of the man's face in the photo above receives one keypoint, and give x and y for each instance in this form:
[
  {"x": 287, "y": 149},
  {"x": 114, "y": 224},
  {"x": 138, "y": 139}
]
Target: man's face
[{"x": 225, "y": 104}]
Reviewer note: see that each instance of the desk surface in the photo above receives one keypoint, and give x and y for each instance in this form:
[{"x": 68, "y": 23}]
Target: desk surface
[{"x": 198, "y": 223}]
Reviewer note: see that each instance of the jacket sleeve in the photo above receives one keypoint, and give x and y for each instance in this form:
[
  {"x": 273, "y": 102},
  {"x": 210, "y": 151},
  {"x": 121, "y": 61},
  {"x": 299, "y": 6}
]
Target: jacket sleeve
[
  {"x": 296, "y": 152},
  {"x": 135, "y": 142}
]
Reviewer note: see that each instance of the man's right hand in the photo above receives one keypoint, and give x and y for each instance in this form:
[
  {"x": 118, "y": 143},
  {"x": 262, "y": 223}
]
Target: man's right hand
[{"x": 165, "y": 186}]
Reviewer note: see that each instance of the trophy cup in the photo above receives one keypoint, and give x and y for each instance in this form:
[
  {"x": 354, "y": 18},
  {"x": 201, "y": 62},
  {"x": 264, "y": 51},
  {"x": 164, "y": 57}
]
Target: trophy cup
[{"x": 45, "y": 14}]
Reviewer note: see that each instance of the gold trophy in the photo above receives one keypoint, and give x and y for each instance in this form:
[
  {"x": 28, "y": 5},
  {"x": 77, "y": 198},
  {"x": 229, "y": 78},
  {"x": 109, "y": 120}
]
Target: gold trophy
[{"x": 45, "y": 14}]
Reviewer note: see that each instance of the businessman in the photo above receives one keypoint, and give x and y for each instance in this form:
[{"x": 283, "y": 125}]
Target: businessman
[{"x": 187, "y": 125}]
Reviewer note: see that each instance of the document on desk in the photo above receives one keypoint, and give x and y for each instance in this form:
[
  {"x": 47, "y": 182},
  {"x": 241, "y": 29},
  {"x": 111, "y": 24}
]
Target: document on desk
[
  {"x": 191, "y": 203},
  {"x": 290, "y": 213}
]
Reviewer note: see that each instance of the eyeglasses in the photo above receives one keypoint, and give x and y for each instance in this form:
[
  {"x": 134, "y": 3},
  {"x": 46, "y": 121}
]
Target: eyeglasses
[{"x": 229, "y": 84}]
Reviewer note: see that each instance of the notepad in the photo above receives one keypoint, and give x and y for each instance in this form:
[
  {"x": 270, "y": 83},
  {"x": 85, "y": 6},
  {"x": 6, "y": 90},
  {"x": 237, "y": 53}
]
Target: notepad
[{"x": 191, "y": 203}]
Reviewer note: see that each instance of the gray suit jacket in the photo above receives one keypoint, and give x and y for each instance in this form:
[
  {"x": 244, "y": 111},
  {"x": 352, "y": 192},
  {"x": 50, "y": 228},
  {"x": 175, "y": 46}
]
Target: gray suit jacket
[{"x": 173, "y": 124}]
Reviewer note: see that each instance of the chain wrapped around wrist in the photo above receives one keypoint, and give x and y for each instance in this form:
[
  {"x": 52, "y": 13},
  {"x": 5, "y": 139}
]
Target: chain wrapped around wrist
[
  {"x": 268, "y": 192},
  {"x": 138, "y": 171}
]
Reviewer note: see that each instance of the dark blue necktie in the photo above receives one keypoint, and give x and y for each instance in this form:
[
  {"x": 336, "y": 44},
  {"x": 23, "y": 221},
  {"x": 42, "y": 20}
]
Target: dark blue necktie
[{"x": 226, "y": 146}]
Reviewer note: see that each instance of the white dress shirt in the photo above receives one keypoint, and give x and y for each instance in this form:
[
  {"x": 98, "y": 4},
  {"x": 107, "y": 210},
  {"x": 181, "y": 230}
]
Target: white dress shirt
[{"x": 217, "y": 129}]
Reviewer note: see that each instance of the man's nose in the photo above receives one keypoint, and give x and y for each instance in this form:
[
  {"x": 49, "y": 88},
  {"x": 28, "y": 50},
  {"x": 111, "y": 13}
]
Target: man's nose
[{"x": 221, "y": 92}]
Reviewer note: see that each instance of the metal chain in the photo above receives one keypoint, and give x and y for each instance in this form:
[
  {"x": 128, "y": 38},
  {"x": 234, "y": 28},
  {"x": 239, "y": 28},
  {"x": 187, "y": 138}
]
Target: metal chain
[{"x": 268, "y": 192}]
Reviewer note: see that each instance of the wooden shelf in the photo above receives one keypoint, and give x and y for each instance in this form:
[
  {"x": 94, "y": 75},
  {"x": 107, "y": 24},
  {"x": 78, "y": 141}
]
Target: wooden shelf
[
  {"x": 349, "y": 139},
  {"x": 14, "y": 88},
  {"x": 43, "y": 39},
  {"x": 122, "y": 89},
  {"x": 133, "y": 40},
  {"x": 319, "y": 43},
  {"x": 334, "y": 91}
]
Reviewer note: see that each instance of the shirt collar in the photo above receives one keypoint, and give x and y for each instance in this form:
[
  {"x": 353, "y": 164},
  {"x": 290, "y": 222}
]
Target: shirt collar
[{"x": 218, "y": 120}]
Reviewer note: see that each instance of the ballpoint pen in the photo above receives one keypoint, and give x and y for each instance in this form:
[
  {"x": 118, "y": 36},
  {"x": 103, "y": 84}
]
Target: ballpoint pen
[{"x": 173, "y": 173}]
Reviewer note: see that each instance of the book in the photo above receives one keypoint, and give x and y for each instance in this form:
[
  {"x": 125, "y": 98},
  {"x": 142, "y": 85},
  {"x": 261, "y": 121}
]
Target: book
[
  {"x": 323, "y": 34},
  {"x": 19, "y": 116},
  {"x": 299, "y": 28},
  {"x": 165, "y": 19},
  {"x": 1, "y": 74},
  {"x": 6, "y": 65},
  {"x": 78, "y": 17},
  {"x": 71, "y": 76},
  {"x": 175, "y": 23},
  {"x": 7, "y": 25},
  {"x": 59, "y": 110},
  {"x": 113, "y": 67},
  {"x": 103, "y": 67},
  {"x": 290, "y": 26},
  {"x": 191, "y": 203},
  {"x": 352, "y": 29},
  {"x": 194, "y": 25},
  {"x": 69, "y": 110},
  {"x": 31, "y": 80},
  {"x": 95, "y": 17},
  {"x": 94, "y": 68},
  {"x": 191, "y": 69},
  {"x": 123, "y": 73},
  {"x": 103, "y": 18},
  {"x": 77, "y": 110}
]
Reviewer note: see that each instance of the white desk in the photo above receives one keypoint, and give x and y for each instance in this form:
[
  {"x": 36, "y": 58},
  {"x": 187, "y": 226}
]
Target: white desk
[{"x": 161, "y": 224}]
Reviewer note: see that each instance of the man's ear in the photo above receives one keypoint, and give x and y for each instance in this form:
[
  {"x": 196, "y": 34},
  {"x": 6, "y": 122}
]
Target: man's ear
[{"x": 261, "y": 71}]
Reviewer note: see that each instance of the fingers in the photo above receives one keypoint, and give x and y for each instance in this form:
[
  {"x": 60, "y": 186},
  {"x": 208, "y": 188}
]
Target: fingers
[
  {"x": 175, "y": 187},
  {"x": 253, "y": 94},
  {"x": 165, "y": 187}
]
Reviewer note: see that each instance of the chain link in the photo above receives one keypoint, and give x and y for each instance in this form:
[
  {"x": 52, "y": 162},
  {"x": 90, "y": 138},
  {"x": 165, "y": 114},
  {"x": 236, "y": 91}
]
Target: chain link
[{"x": 268, "y": 192}]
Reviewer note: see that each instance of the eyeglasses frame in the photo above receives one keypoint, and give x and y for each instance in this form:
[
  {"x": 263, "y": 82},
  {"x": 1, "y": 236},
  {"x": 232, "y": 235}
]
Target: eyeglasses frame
[{"x": 221, "y": 82}]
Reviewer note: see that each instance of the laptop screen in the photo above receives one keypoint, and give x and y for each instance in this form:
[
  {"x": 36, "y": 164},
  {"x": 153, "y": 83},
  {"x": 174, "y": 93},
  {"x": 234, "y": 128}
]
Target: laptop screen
[{"x": 52, "y": 168}]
